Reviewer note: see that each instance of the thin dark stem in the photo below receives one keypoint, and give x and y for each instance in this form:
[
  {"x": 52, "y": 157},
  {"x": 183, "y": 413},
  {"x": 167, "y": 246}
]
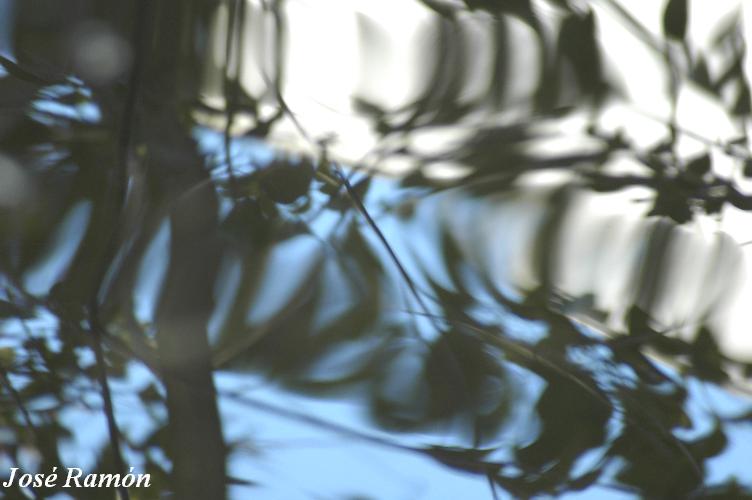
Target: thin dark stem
[
  {"x": 128, "y": 125},
  {"x": 380, "y": 235},
  {"x": 118, "y": 185},
  {"x": 112, "y": 428},
  {"x": 342, "y": 430},
  {"x": 17, "y": 400},
  {"x": 492, "y": 486},
  {"x": 633, "y": 25},
  {"x": 358, "y": 204},
  {"x": 232, "y": 84}
]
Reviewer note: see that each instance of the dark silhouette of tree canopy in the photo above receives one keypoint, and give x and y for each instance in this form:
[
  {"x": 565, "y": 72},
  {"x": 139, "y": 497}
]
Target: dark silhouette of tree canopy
[{"x": 148, "y": 249}]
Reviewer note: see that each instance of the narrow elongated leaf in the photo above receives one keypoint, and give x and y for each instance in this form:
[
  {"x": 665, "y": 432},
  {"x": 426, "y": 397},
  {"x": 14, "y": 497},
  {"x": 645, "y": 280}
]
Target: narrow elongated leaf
[{"x": 675, "y": 19}]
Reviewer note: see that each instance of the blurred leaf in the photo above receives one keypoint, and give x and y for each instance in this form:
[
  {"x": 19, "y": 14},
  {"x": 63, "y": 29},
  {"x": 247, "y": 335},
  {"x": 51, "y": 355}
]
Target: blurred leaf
[
  {"x": 13, "y": 310},
  {"x": 700, "y": 73},
  {"x": 518, "y": 8},
  {"x": 470, "y": 460},
  {"x": 285, "y": 182},
  {"x": 699, "y": 166},
  {"x": 675, "y": 19},
  {"x": 569, "y": 409},
  {"x": 7, "y": 357},
  {"x": 707, "y": 360},
  {"x": 586, "y": 480},
  {"x": 743, "y": 106},
  {"x": 17, "y": 71},
  {"x": 747, "y": 169},
  {"x": 458, "y": 367},
  {"x": 672, "y": 204},
  {"x": 711, "y": 444},
  {"x": 247, "y": 226},
  {"x": 577, "y": 42}
]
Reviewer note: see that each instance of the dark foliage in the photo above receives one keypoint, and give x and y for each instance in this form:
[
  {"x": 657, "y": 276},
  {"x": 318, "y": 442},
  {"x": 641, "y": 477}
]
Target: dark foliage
[{"x": 147, "y": 238}]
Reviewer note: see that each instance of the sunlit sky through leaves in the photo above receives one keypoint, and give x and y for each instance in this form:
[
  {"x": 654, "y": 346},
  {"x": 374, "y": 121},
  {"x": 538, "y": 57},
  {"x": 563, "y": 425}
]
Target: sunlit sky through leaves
[{"x": 372, "y": 51}]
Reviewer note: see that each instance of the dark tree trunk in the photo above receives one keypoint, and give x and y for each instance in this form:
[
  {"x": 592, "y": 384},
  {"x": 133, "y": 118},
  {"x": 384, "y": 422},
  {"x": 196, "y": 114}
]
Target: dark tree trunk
[{"x": 175, "y": 174}]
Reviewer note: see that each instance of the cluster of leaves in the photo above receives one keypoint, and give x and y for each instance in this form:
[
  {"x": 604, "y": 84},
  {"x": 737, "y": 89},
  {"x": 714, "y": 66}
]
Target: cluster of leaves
[{"x": 139, "y": 167}]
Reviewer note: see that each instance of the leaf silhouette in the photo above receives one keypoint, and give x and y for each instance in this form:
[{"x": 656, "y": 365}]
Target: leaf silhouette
[{"x": 675, "y": 19}]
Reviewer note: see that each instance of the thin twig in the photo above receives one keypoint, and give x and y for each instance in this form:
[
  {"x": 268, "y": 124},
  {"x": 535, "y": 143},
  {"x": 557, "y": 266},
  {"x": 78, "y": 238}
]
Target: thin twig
[
  {"x": 119, "y": 183},
  {"x": 232, "y": 85},
  {"x": 392, "y": 254},
  {"x": 18, "y": 401},
  {"x": 98, "y": 334},
  {"x": 633, "y": 25}
]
